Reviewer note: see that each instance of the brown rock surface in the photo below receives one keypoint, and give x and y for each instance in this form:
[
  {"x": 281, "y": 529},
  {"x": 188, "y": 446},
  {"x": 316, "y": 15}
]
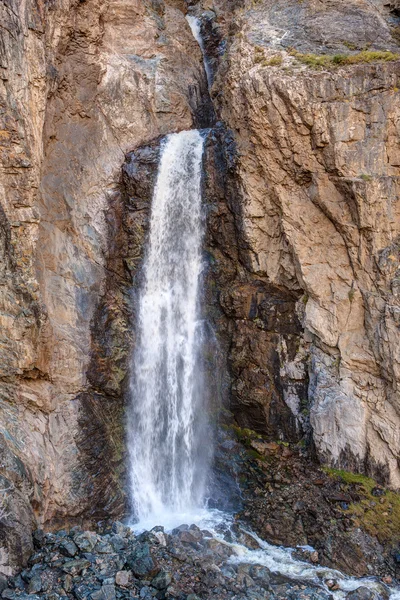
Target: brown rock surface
[
  {"x": 81, "y": 84},
  {"x": 318, "y": 176}
]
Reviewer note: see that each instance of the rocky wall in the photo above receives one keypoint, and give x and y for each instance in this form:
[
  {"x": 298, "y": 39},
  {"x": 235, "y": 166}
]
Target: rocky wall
[
  {"x": 317, "y": 174},
  {"x": 82, "y": 83}
]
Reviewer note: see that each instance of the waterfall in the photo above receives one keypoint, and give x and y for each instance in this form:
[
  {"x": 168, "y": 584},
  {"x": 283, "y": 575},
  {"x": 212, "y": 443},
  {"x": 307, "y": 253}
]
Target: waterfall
[
  {"x": 167, "y": 443},
  {"x": 195, "y": 26}
]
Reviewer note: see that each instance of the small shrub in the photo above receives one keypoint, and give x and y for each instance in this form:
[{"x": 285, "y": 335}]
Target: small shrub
[
  {"x": 350, "y": 45},
  {"x": 274, "y": 61},
  {"x": 395, "y": 31},
  {"x": 259, "y": 57}
]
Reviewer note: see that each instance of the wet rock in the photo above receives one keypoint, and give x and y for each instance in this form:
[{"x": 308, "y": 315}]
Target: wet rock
[
  {"x": 248, "y": 540},
  {"x": 75, "y": 567},
  {"x": 82, "y": 591},
  {"x": 120, "y": 529},
  {"x": 108, "y": 564},
  {"x": 86, "y": 541},
  {"x": 206, "y": 573},
  {"x": 362, "y": 593},
  {"x": 38, "y": 538},
  {"x": 261, "y": 575},
  {"x": 218, "y": 549},
  {"x": 146, "y": 593},
  {"x": 186, "y": 537},
  {"x": 160, "y": 536},
  {"x": 35, "y": 585},
  {"x": 162, "y": 580},
  {"x": 67, "y": 582},
  {"x": 196, "y": 532},
  {"x": 179, "y": 529},
  {"x": 141, "y": 562},
  {"x": 103, "y": 547},
  {"x": 3, "y": 583},
  {"x": 178, "y": 552},
  {"x": 118, "y": 543},
  {"x": 107, "y": 592},
  {"x": 68, "y": 547}
]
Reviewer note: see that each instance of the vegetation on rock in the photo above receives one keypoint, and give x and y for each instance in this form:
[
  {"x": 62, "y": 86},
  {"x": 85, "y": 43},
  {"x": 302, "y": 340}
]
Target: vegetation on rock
[
  {"x": 377, "y": 511},
  {"x": 329, "y": 60}
]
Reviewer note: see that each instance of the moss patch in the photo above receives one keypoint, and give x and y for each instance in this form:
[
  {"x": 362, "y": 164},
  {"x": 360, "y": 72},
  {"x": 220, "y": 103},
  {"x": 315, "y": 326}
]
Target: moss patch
[
  {"x": 366, "y": 177},
  {"x": 377, "y": 511},
  {"x": 272, "y": 61},
  {"x": 335, "y": 60},
  {"x": 245, "y": 435}
]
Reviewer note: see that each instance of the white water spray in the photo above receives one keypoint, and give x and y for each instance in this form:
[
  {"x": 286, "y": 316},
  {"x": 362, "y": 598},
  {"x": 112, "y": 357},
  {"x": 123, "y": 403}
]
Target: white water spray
[
  {"x": 167, "y": 444},
  {"x": 195, "y": 26}
]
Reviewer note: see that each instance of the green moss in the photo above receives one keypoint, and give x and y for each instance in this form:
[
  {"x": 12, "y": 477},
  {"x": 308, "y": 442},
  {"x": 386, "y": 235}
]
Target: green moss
[
  {"x": 351, "y": 295},
  {"x": 379, "y": 518},
  {"x": 312, "y": 60},
  {"x": 366, "y": 177},
  {"x": 244, "y": 435},
  {"x": 274, "y": 61},
  {"x": 351, "y": 478},
  {"x": 255, "y": 455},
  {"x": 328, "y": 60}
]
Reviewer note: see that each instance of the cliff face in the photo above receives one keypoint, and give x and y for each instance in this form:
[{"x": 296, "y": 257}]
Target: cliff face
[
  {"x": 302, "y": 232},
  {"x": 81, "y": 84},
  {"x": 318, "y": 167}
]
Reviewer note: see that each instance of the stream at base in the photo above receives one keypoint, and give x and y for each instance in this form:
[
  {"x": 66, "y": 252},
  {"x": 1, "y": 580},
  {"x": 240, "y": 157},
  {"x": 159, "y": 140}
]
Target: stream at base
[{"x": 278, "y": 561}]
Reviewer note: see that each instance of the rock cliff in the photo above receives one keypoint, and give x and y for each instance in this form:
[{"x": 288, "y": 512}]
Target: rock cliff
[
  {"x": 81, "y": 84},
  {"x": 317, "y": 175},
  {"x": 302, "y": 242}
]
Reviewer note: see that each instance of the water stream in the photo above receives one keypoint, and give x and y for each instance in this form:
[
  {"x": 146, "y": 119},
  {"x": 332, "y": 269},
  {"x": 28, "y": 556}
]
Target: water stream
[{"x": 168, "y": 442}]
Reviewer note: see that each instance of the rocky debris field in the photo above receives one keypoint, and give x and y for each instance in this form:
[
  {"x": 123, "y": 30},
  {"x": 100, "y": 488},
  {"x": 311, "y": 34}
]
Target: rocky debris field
[
  {"x": 351, "y": 522},
  {"x": 188, "y": 564}
]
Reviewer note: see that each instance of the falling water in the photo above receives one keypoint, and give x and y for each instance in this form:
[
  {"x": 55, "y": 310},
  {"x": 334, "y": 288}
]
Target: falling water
[
  {"x": 167, "y": 446},
  {"x": 194, "y": 24}
]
